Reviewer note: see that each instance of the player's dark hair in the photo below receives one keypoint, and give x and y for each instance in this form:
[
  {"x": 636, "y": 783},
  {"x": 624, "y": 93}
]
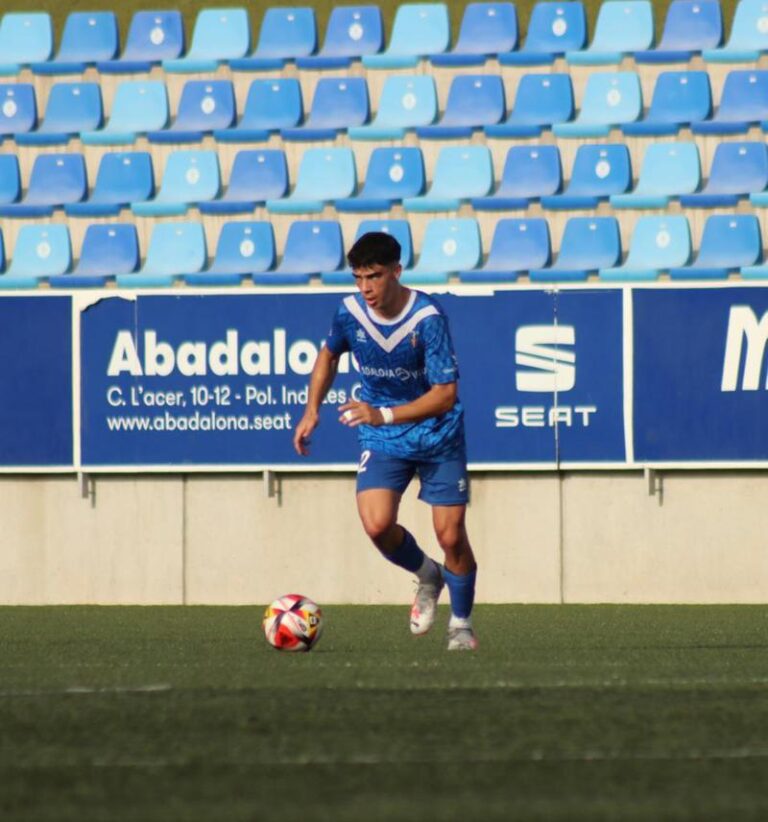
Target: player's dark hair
[{"x": 374, "y": 248}]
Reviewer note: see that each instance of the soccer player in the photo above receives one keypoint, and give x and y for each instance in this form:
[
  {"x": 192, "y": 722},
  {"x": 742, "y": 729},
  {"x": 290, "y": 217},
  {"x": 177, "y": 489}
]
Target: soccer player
[{"x": 409, "y": 422}]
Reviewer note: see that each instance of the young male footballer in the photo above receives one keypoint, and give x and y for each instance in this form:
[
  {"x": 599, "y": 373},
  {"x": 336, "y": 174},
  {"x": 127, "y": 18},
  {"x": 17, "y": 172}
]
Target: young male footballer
[{"x": 410, "y": 422}]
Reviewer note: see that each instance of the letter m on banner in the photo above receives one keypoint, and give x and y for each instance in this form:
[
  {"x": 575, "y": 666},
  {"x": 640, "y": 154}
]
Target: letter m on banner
[
  {"x": 539, "y": 350},
  {"x": 744, "y": 329}
]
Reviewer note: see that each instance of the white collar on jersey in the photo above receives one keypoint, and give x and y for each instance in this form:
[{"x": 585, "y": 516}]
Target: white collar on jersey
[{"x": 393, "y": 340}]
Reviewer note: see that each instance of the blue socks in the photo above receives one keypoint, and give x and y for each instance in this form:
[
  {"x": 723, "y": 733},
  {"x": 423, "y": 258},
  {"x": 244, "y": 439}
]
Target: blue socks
[
  {"x": 462, "y": 592},
  {"x": 408, "y": 555}
]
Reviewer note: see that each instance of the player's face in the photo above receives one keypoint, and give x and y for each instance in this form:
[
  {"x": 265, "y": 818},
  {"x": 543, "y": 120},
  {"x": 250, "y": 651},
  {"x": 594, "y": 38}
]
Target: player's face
[{"x": 380, "y": 287}]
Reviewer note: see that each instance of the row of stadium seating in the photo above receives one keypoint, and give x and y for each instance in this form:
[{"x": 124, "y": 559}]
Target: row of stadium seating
[{"x": 451, "y": 248}]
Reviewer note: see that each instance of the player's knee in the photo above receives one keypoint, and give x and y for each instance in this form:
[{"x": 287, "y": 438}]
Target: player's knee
[
  {"x": 377, "y": 526},
  {"x": 451, "y": 536}
]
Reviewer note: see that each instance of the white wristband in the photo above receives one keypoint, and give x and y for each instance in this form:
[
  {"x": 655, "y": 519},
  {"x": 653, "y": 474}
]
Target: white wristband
[{"x": 387, "y": 415}]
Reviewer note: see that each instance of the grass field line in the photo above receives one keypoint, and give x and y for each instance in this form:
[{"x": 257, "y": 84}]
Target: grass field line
[{"x": 77, "y": 690}]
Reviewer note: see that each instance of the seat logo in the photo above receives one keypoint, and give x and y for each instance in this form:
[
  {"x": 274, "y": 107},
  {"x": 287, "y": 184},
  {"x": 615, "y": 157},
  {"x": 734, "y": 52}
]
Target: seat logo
[{"x": 545, "y": 359}]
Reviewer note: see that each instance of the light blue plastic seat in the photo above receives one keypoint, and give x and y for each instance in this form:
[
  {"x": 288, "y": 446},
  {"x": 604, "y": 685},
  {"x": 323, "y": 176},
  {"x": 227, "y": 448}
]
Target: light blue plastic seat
[
  {"x": 89, "y": 36},
  {"x": 311, "y": 247},
  {"x": 691, "y": 27},
  {"x": 2, "y": 253},
  {"x": 461, "y": 173},
  {"x": 137, "y": 108},
  {"x": 738, "y": 170},
  {"x": 41, "y": 251},
  {"x": 153, "y": 36},
  {"x": 474, "y": 101},
  {"x": 204, "y": 107},
  {"x": 541, "y": 101},
  {"x": 220, "y": 35},
  {"x": 748, "y": 38},
  {"x": 285, "y": 34},
  {"x": 517, "y": 247},
  {"x": 599, "y": 171},
  {"x": 108, "y": 250},
  {"x": 10, "y": 178},
  {"x": 405, "y": 103},
  {"x": 71, "y": 108},
  {"x": 243, "y": 248},
  {"x": 256, "y": 176},
  {"x": 325, "y": 174},
  {"x": 588, "y": 245},
  {"x": 271, "y": 105},
  {"x": 487, "y": 29},
  {"x": 176, "y": 249},
  {"x": 399, "y": 229},
  {"x": 530, "y": 173},
  {"x": 124, "y": 177},
  {"x": 18, "y": 109},
  {"x": 56, "y": 179},
  {"x": 190, "y": 177},
  {"x": 339, "y": 103},
  {"x": 679, "y": 99},
  {"x": 419, "y": 30},
  {"x": 623, "y": 27},
  {"x": 25, "y": 38},
  {"x": 392, "y": 175},
  {"x": 743, "y": 103},
  {"x": 352, "y": 32},
  {"x": 610, "y": 100},
  {"x": 554, "y": 29},
  {"x": 449, "y": 246},
  {"x": 728, "y": 242},
  {"x": 657, "y": 244},
  {"x": 668, "y": 170}
]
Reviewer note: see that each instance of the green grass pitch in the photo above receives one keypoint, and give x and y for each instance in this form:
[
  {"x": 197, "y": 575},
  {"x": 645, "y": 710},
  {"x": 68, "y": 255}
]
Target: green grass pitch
[{"x": 565, "y": 712}]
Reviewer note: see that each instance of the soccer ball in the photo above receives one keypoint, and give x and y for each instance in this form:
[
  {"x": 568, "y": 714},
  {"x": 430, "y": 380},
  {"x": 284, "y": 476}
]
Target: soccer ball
[{"x": 293, "y": 623}]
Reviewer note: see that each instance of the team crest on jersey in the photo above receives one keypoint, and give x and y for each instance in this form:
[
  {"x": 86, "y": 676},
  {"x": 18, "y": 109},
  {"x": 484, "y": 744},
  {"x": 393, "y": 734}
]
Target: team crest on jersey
[
  {"x": 414, "y": 339},
  {"x": 361, "y": 335}
]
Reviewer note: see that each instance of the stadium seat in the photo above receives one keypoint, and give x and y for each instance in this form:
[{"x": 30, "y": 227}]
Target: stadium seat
[
  {"x": 205, "y": 106},
  {"x": 352, "y": 32},
  {"x": 153, "y": 36},
  {"x": 541, "y": 101},
  {"x": 18, "y": 109},
  {"x": 474, "y": 101},
  {"x": 89, "y": 36},
  {"x": 738, "y": 171},
  {"x": 243, "y": 249},
  {"x": 419, "y": 30},
  {"x": 71, "y": 108},
  {"x": 41, "y": 251},
  {"x": 25, "y": 38},
  {"x": 338, "y": 104},
  {"x": 325, "y": 174},
  {"x": 690, "y": 28},
  {"x": 517, "y": 247},
  {"x": 399, "y": 229},
  {"x": 2, "y": 253},
  {"x": 10, "y": 179},
  {"x": 123, "y": 178},
  {"x": 449, "y": 246},
  {"x": 175, "y": 250},
  {"x": 599, "y": 171},
  {"x": 657, "y": 244},
  {"x": 487, "y": 29},
  {"x": 256, "y": 176},
  {"x": 679, "y": 99},
  {"x": 405, "y": 102},
  {"x": 392, "y": 175},
  {"x": 461, "y": 173},
  {"x": 138, "y": 107},
  {"x": 190, "y": 177},
  {"x": 623, "y": 27},
  {"x": 554, "y": 29},
  {"x": 271, "y": 105},
  {"x": 285, "y": 34},
  {"x": 219, "y": 35},
  {"x": 588, "y": 244},
  {"x": 108, "y": 250},
  {"x": 728, "y": 242},
  {"x": 668, "y": 170},
  {"x": 610, "y": 100},
  {"x": 56, "y": 179},
  {"x": 743, "y": 103},
  {"x": 312, "y": 246},
  {"x": 529, "y": 174},
  {"x": 748, "y": 37}
]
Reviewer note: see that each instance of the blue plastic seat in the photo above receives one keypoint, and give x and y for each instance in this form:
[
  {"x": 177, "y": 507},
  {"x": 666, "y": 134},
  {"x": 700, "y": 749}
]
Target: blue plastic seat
[
  {"x": 748, "y": 38},
  {"x": 517, "y": 247},
  {"x": 10, "y": 178},
  {"x": 610, "y": 100},
  {"x": 668, "y": 170},
  {"x": 325, "y": 174},
  {"x": 530, "y": 173},
  {"x": 175, "y": 250},
  {"x": 352, "y": 32},
  {"x": 219, "y": 35},
  {"x": 474, "y": 101},
  {"x": 137, "y": 108},
  {"x": 399, "y": 229},
  {"x": 449, "y": 246},
  {"x": 728, "y": 242},
  {"x": 56, "y": 179},
  {"x": 738, "y": 171},
  {"x": 599, "y": 171},
  {"x": 153, "y": 36},
  {"x": 679, "y": 99},
  {"x": 461, "y": 173},
  {"x": 256, "y": 176},
  {"x": 541, "y": 101},
  {"x": 190, "y": 177},
  {"x": 588, "y": 245},
  {"x": 743, "y": 103},
  {"x": 18, "y": 109},
  {"x": 338, "y": 104},
  {"x": 72, "y": 108},
  {"x": 124, "y": 177},
  {"x": 419, "y": 30},
  {"x": 623, "y": 27},
  {"x": 271, "y": 105},
  {"x": 554, "y": 29},
  {"x": 657, "y": 244},
  {"x": 392, "y": 175},
  {"x": 108, "y": 250},
  {"x": 487, "y": 29},
  {"x": 243, "y": 249},
  {"x": 89, "y": 36},
  {"x": 25, "y": 38},
  {"x": 691, "y": 27},
  {"x": 311, "y": 247},
  {"x": 285, "y": 34},
  {"x": 205, "y": 106},
  {"x": 41, "y": 251},
  {"x": 405, "y": 103}
]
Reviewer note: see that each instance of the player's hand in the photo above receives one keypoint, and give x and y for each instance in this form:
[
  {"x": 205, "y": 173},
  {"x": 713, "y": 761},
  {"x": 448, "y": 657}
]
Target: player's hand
[
  {"x": 359, "y": 413},
  {"x": 303, "y": 431}
]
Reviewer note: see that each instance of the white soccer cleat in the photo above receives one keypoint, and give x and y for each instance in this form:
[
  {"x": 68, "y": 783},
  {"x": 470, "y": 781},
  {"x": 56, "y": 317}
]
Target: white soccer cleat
[
  {"x": 461, "y": 638},
  {"x": 424, "y": 608}
]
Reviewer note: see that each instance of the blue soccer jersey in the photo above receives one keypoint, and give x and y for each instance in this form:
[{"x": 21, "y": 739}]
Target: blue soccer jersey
[{"x": 400, "y": 360}]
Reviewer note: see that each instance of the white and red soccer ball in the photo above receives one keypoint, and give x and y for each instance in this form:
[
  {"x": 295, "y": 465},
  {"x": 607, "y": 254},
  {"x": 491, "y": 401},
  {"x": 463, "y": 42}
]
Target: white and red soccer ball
[{"x": 293, "y": 623}]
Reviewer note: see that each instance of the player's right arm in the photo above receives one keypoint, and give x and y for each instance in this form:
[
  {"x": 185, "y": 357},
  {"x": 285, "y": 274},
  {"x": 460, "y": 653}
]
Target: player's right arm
[{"x": 323, "y": 375}]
